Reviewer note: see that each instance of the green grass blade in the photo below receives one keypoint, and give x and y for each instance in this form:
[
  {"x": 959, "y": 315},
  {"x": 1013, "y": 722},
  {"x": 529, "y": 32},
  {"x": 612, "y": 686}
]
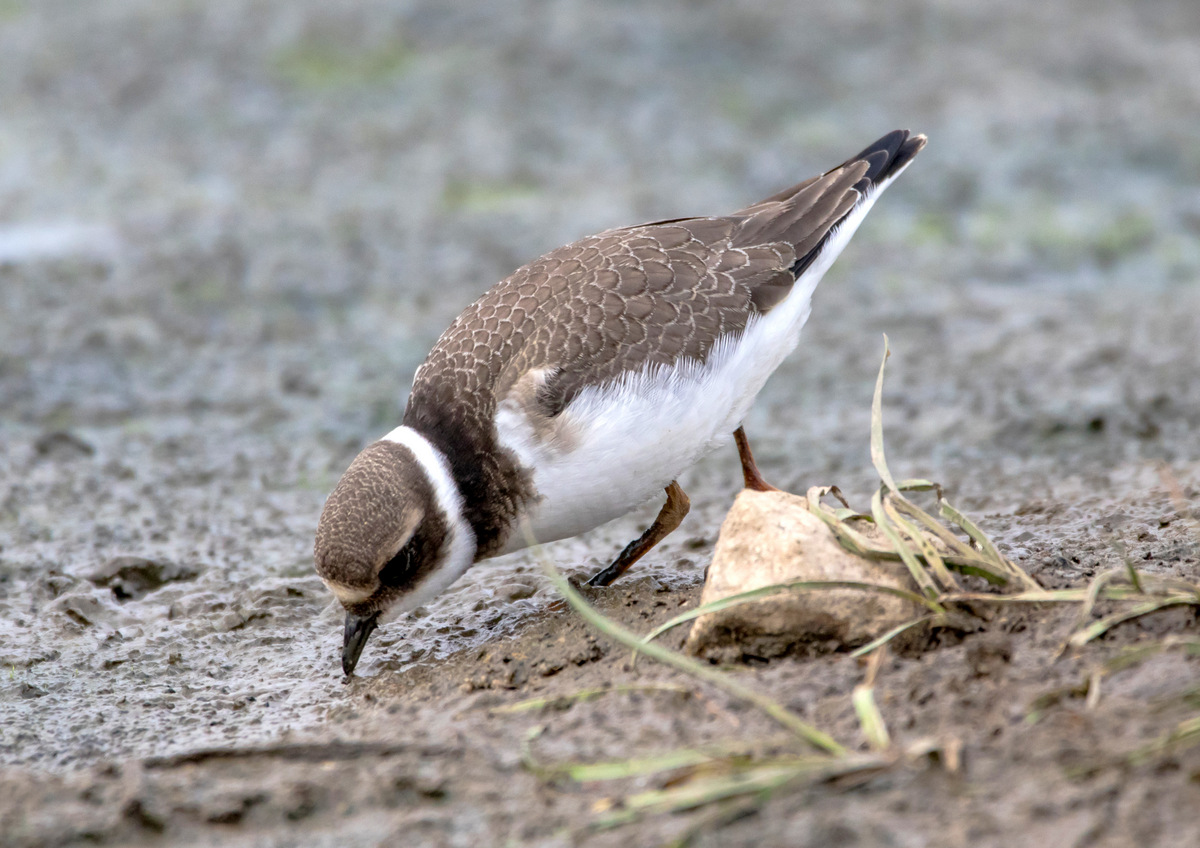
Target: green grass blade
[
  {"x": 967, "y": 560},
  {"x": 890, "y": 635},
  {"x": 951, "y": 541},
  {"x": 1134, "y": 577},
  {"x": 1185, "y": 735},
  {"x": 989, "y": 550},
  {"x": 850, "y": 539},
  {"x": 781, "y": 588},
  {"x": 927, "y": 549},
  {"x": 762, "y": 778},
  {"x": 917, "y": 485},
  {"x": 918, "y": 572},
  {"x": 976, "y": 568},
  {"x": 1094, "y": 589},
  {"x": 870, "y": 719},
  {"x": 765, "y": 778},
  {"x": 1103, "y": 625},
  {"x": 1041, "y": 596},
  {"x": 633, "y": 767},
  {"x": 877, "y": 454},
  {"x": 584, "y": 695},
  {"x": 617, "y": 633}
]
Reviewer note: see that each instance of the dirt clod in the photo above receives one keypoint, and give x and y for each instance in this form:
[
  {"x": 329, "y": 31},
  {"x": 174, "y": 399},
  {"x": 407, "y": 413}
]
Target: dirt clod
[{"x": 133, "y": 576}]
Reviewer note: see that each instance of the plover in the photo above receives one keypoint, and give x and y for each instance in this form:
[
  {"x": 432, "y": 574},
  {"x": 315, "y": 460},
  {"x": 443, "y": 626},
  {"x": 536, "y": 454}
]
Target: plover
[{"x": 582, "y": 385}]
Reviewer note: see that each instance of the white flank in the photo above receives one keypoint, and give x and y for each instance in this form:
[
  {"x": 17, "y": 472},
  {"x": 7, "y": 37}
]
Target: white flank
[
  {"x": 624, "y": 442},
  {"x": 458, "y": 548}
]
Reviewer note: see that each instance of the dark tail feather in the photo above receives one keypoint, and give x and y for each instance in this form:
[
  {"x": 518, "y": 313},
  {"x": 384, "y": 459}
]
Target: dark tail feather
[
  {"x": 884, "y": 159},
  {"x": 886, "y": 156}
]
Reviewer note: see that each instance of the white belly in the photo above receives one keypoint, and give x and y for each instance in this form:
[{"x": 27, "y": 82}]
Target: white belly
[{"x": 633, "y": 437}]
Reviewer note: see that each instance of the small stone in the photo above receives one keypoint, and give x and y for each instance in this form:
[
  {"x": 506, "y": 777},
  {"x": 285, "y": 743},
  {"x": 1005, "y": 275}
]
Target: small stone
[
  {"x": 771, "y": 538},
  {"x": 84, "y": 609},
  {"x": 590, "y": 652},
  {"x": 28, "y": 690},
  {"x": 231, "y": 620},
  {"x": 519, "y": 589},
  {"x": 297, "y": 380},
  {"x": 305, "y": 799},
  {"x": 144, "y": 815},
  {"x": 61, "y": 444},
  {"x": 988, "y": 654},
  {"x": 133, "y": 576}
]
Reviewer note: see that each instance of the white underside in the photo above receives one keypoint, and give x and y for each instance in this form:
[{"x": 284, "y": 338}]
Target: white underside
[{"x": 631, "y": 438}]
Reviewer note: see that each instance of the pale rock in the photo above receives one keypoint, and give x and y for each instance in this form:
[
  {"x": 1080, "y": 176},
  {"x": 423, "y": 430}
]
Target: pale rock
[{"x": 770, "y": 538}]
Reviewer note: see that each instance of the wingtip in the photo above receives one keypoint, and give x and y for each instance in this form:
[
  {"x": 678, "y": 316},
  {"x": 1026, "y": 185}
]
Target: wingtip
[
  {"x": 911, "y": 146},
  {"x": 890, "y": 154}
]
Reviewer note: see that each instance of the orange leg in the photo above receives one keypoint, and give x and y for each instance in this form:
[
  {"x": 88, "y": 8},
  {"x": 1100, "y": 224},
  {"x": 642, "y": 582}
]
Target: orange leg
[
  {"x": 669, "y": 517},
  {"x": 750, "y": 473}
]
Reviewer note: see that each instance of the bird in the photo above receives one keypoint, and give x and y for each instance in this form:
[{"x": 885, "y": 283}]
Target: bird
[{"x": 581, "y": 386}]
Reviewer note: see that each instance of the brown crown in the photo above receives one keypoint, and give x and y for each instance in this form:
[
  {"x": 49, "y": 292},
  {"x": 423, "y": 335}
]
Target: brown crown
[{"x": 373, "y": 510}]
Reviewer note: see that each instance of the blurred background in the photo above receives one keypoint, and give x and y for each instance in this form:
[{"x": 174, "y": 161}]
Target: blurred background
[{"x": 230, "y": 230}]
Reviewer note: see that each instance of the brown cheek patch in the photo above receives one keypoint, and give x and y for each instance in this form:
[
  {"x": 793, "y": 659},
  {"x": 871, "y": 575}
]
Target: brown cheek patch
[
  {"x": 406, "y": 525},
  {"x": 419, "y": 558}
]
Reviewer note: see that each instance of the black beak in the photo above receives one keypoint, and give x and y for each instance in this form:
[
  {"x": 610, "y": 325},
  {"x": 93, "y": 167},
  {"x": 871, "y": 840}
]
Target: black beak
[{"x": 358, "y": 630}]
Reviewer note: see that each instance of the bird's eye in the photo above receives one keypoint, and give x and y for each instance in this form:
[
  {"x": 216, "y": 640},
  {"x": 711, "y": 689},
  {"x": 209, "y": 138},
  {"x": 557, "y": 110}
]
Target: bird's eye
[{"x": 395, "y": 569}]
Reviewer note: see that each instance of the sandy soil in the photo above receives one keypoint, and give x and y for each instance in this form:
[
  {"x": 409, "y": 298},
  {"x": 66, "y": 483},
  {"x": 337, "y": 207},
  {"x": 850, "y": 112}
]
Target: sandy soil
[{"x": 229, "y": 231}]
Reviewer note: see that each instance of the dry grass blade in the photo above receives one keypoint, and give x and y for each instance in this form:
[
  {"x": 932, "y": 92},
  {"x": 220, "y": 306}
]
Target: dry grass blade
[
  {"x": 884, "y": 507},
  {"x": 926, "y": 548},
  {"x": 1103, "y": 625},
  {"x": 1089, "y": 686},
  {"x": 584, "y": 695},
  {"x": 1073, "y": 596},
  {"x": 965, "y": 560},
  {"x": 918, "y": 485},
  {"x": 721, "y": 757},
  {"x": 986, "y": 546},
  {"x": 1185, "y": 735},
  {"x": 1041, "y": 596},
  {"x": 963, "y": 557},
  {"x": 617, "y": 633},
  {"x": 1134, "y": 654},
  {"x": 762, "y": 779},
  {"x": 633, "y": 767},
  {"x": 915, "y": 568},
  {"x": 894, "y": 514},
  {"x": 892, "y": 634},
  {"x": 1094, "y": 589},
  {"x": 850, "y": 539},
  {"x": 780, "y": 588},
  {"x": 1135, "y": 579},
  {"x": 869, "y": 718}
]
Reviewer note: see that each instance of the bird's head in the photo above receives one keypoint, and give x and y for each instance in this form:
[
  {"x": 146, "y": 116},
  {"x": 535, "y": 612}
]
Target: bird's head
[{"x": 391, "y": 536}]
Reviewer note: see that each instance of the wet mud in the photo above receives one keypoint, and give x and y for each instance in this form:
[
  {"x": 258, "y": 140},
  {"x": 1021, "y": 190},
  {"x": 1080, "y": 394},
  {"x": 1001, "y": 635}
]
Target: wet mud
[{"x": 230, "y": 231}]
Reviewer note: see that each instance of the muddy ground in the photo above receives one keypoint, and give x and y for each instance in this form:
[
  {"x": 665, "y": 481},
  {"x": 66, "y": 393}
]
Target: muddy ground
[{"x": 230, "y": 230}]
